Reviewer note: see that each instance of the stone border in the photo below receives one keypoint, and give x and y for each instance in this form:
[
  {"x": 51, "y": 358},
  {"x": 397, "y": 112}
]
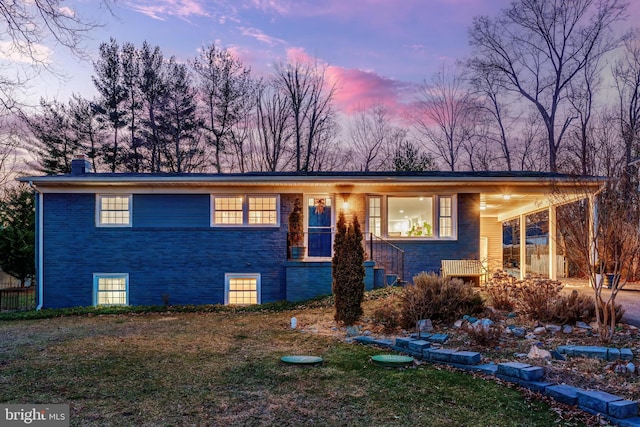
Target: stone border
[{"x": 619, "y": 411}]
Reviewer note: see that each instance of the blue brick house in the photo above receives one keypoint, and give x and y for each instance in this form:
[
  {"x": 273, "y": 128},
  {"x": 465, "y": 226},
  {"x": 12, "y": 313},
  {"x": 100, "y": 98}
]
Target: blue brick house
[{"x": 146, "y": 239}]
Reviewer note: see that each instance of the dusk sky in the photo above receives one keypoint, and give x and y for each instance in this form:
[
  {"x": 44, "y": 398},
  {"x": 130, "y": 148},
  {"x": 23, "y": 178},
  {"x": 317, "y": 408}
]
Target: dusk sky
[{"x": 375, "y": 49}]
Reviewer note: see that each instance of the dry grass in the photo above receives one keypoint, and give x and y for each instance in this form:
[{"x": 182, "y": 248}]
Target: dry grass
[{"x": 224, "y": 369}]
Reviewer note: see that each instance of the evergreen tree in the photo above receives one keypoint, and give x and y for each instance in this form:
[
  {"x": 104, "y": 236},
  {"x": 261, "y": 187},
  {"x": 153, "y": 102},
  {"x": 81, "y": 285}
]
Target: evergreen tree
[
  {"x": 180, "y": 122},
  {"x": 111, "y": 107},
  {"x": 408, "y": 158},
  {"x": 348, "y": 271},
  {"x": 56, "y": 141},
  {"x": 17, "y": 234}
]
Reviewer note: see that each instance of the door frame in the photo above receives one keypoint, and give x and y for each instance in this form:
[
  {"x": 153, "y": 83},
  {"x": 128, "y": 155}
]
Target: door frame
[{"x": 327, "y": 196}]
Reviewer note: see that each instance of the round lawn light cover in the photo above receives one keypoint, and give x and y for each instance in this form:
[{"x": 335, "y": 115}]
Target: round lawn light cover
[
  {"x": 392, "y": 360},
  {"x": 301, "y": 360}
]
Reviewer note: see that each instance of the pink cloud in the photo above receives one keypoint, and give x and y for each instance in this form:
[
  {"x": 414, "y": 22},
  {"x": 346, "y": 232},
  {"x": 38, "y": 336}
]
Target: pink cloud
[{"x": 357, "y": 89}]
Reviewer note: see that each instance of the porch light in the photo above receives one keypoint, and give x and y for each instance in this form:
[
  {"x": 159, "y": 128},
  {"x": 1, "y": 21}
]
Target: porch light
[
  {"x": 483, "y": 205},
  {"x": 345, "y": 205},
  {"x": 506, "y": 196}
]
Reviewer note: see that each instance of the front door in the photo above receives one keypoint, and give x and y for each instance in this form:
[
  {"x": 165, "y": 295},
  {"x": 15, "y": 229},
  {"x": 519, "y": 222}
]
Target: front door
[{"x": 319, "y": 226}]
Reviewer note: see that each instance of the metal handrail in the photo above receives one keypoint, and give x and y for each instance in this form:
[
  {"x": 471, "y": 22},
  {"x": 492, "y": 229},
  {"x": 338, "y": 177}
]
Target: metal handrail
[{"x": 387, "y": 255}]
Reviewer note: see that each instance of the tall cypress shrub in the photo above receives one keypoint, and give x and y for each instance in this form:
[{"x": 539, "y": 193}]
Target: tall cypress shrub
[{"x": 348, "y": 271}]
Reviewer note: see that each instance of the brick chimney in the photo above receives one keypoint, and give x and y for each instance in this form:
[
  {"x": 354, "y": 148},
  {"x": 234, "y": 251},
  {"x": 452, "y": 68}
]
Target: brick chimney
[{"x": 80, "y": 165}]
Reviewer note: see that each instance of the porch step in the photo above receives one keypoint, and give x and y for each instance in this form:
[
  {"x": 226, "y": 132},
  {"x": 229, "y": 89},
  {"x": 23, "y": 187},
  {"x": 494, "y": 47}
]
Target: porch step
[{"x": 379, "y": 277}]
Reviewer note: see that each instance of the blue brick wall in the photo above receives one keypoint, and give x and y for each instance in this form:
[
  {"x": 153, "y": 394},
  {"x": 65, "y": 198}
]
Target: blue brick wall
[
  {"x": 188, "y": 264},
  {"x": 188, "y": 260},
  {"x": 171, "y": 210}
]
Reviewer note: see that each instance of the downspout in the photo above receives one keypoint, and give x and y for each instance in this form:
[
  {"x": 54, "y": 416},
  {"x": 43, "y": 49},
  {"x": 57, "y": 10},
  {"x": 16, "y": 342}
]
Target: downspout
[{"x": 39, "y": 246}]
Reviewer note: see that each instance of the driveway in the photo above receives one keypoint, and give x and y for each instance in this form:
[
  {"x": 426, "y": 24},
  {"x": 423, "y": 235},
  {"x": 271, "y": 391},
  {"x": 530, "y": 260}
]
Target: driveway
[{"x": 628, "y": 297}]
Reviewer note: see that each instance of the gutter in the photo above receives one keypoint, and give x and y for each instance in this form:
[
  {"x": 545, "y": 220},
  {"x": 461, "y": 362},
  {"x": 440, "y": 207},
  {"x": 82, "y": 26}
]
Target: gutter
[{"x": 39, "y": 246}]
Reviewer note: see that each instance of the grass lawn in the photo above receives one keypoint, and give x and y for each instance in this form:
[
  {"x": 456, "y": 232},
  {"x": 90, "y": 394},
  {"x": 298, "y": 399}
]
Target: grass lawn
[{"x": 224, "y": 369}]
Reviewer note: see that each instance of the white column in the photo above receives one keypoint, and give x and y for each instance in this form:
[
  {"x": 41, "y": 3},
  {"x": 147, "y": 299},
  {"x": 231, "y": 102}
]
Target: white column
[
  {"x": 523, "y": 246},
  {"x": 593, "y": 226},
  {"x": 553, "y": 264}
]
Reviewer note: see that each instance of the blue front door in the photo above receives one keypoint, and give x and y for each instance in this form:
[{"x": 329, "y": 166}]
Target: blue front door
[{"x": 319, "y": 236}]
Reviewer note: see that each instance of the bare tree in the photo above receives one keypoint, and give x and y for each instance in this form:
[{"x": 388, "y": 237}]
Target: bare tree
[
  {"x": 273, "y": 127},
  {"x": 626, "y": 73},
  {"x": 536, "y": 48},
  {"x": 373, "y": 138},
  {"x": 530, "y": 149},
  {"x": 605, "y": 240},
  {"x": 26, "y": 27},
  {"x": 225, "y": 84},
  {"x": 444, "y": 115},
  {"x": 494, "y": 103},
  {"x": 309, "y": 98},
  {"x": 241, "y": 131}
]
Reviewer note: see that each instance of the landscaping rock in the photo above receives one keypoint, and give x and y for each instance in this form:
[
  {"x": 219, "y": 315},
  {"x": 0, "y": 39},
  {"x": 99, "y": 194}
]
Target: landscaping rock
[
  {"x": 511, "y": 315},
  {"x": 530, "y": 336},
  {"x": 582, "y": 325},
  {"x": 631, "y": 368},
  {"x": 539, "y": 330},
  {"x": 519, "y": 332},
  {"x": 353, "y": 331},
  {"x": 556, "y": 355},
  {"x": 567, "y": 329},
  {"x": 553, "y": 328},
  {"x": 539, "y": 353},
  {"x": 457, "y": 324}
]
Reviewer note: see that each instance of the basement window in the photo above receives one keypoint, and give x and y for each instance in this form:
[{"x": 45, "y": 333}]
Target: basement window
[
  {"x": 111, "y": 289},
  {"x": 242, "y": 288}
]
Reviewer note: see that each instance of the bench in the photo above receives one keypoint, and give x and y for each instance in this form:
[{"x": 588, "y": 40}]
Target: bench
[{"x": 463, "y": 268}]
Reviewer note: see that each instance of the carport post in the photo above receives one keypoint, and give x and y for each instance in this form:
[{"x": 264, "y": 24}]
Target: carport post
[
  {"x": 523, "y": 246},
  {"x": 553, "y": 258}
]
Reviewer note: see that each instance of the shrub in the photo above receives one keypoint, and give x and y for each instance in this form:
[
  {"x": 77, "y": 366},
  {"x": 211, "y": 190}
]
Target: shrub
[
  {"x": 502, "y": 289},
  {"x": 439, "y": 299},
  {"x": 387, "y": 315},
  {"x": 573, "y": 308},
  {"x": 484, "y": 335},
  {"x": 536, "y": 296}
]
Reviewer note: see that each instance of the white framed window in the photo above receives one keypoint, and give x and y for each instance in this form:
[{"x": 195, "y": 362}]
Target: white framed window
[
  {"x": 263, "y": 210},
  {"x": 420, "y": 216},
  {"x": 113, "y": 210},
  {"x": 446, "y": 216},
  {"x": 111, "y": 289},
  {"x": 227, "y": 210},
  {"x": 245, "y": 210},
  {"x": 241, "y": 288},
  {"x": 375, "y": 215}
]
